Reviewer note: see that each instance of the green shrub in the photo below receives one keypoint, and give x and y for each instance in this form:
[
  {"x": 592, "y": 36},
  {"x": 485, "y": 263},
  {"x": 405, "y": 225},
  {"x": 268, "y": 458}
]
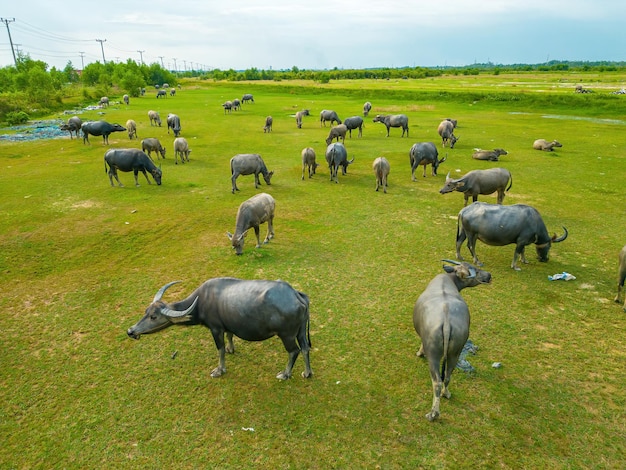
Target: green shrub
[{"x": 16, "y": 117}]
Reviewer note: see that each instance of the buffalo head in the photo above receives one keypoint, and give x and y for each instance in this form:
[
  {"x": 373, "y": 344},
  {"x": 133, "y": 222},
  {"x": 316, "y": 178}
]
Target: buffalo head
[
  {"x": 544, "y": 248},
  {"x": 467, "y": 275}
]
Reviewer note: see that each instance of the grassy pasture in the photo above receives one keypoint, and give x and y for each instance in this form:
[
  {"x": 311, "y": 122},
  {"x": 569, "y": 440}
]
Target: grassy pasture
[{"x": 81, "y": 260}]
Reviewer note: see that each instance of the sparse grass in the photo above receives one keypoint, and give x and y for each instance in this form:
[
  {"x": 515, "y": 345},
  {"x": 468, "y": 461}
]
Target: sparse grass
[{"x": 80, "y": 261}]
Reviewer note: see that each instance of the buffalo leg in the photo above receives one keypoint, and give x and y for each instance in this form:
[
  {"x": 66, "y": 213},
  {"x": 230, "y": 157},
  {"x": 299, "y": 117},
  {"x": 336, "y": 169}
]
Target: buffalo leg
[
  {"x": 460, "y": 238},
  {"x": 500, "y": 196},
  {"x": 114, "y": 174},
  {"x": 471, "y": 245},
  {"x": 270, "y": 230},
  {"x": 257, "y": 182},
  {"x": 146, "y": 175},
  {"x": 257, "y": 232},
  {"x": 293, "y": 350},
  {"x": 233, "y": 179},
  {"x": 305, "y": 347},
  {"x": 433, "y": 414},
  {"x": 220, "y": 370},
  {"x": 519, "y": 254},
  {"x": 230, "y": 346}
]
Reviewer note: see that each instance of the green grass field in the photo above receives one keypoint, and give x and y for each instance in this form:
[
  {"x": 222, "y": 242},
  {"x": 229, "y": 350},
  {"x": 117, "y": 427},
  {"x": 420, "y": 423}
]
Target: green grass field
[{"x": 80, "y": 261}]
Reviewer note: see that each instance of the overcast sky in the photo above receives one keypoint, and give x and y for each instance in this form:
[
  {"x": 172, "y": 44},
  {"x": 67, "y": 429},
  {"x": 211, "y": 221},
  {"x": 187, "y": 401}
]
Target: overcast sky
[{"x": 315, "y": 34}]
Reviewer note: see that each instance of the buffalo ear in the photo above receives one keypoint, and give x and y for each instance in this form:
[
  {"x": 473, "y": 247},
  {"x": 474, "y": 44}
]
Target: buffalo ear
[
  {"x": 229, "y": 235},
  {"x": 448, "y": 269}
]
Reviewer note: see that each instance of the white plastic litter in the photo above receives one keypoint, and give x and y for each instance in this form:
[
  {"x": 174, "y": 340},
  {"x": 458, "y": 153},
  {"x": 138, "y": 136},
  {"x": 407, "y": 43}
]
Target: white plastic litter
[{"x": 562, "y": 276}]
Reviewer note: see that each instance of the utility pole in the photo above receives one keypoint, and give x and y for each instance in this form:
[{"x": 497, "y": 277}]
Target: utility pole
[
  {"x": 6, "y": 22},
  {"x": 175, "y": 67},
  {"x": 162, "y": 65},
  {"x": 141, "y": 55},
  {"x": 185, "y": 64},
  {"x": 82, "y": 54},
  {"x": 101, "y": 41}
]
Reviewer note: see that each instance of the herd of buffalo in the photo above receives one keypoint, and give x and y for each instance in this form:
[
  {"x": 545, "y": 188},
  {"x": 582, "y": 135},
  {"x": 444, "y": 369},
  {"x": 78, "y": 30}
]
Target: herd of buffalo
[{"x": 256, "y": 310}]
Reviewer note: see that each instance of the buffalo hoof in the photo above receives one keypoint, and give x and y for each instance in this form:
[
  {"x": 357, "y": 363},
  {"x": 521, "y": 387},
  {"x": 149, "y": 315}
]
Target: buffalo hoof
[
  {"x": 218, "y": 372},
  {"x": 432, "y": 416},
  {"x": 283, "y": 376},
  {"x": 307, "y": 375}
]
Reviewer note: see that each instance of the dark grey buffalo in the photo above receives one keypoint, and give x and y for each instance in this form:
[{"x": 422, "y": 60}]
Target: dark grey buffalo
[
  {"x": 248, "y": 164},
  {"x": 126, "y": 99},
  {"x": 446, "y": 131},
  {"x": 424, "y": 153},
  {"x": 152, "y": 144},
  {"x": 251, "y": 310},
  {"x": 102, "y": 128},
  {"x": 394, "y": 120},
  {"x": 330, "y": 116},
  {"x": 130, "y": 160},
  {"x": 354, "y": 122},
  {"x": 621, "y": 276},
  {"x": 381, "y": 171},
  {"x": 236, "y": 104},
  {"x": 337, "y": 156},
  {"x": 228, "y": 106},
  {"x": 104, "y": 102},
  {"x": 367, "y": 107},
  {"x": 161, "y": 94},
  {"x": 337, "y": 132},
  {"x": 251, "y": 214},
  {"x": 173, "y": 122},
  {"x": 299, "y": 116},
  {"x": 308, "y": 161},
  {"x": 480, "y": 182},
  {"x": 441, "y": 319},
  {"x": 498, "y": 225},
  {"x": 247, "y": 97},
  {"x": 73, "y": 124},
  {"x": 491, "y": 155},
  {"x": 155, "y": 119},
  {"x": 543, "y": 144}
]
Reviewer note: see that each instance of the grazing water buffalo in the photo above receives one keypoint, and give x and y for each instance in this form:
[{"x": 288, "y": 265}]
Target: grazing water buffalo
[
  {"x": 236, "y": 104},
  {"x": 173, "y": 92},
  {"x": 248, "y": 164},
  {"x": 621, "y": 276},
  {"x": 102, "y": 128},
  {"x": 251, "y": 310},
  {"x": 542, "y": 144},
  {"x": 126, "y": 99},
  {"x": 130, "y": 160},
  {"x": 446, "y": 131},
  {"x": 269, "y": 120},
  {"x": 491, "y": 155},
  {"x": 155, "y": 119},
  {"x": 354, "y": 122},
  {"x": 228, "y": 106},
  {"x": 394, "y": 120},
  {"x": 299, "y": 116},
  {"x": 251, "y": 214},
  {"x": 161, "y": 94},
  {"x": 498, "y": 225},
  {"x": 104, "y": 102},
  {"x": 152, "y": 145},
  {"x": 328, "y": 115},
  {"x": 337, "y": 132},
  {"x": 367, "y": 107},
  {"x": 181, "y": 147},
  {"x": 247, "y": 97},
  {"x": 73, "y": 124},
  {"x": 131, "y": 127},
  {"x": 381, "y": 171},
  {"x": 424, "y": 153},
  {"x": 173, "y": 122},
  {"x": 337, "y": 156},
  {"x": 441, "y": 319},
  {"x": 480, "y": 182},
  {"x": 308, "y": 161}
]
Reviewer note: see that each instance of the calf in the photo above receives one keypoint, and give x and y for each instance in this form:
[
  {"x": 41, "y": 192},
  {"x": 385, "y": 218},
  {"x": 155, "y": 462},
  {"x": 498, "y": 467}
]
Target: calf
[
  {"x": 446, "y": 131},
  {"x": 131, "y": 127},
  {"x": 542, "y": 144},
  {"x": 181, "y": 147},
  {"x": 153, "y": 145},
  {"x": 308, "y": 161},
  {"x": 130, "y": 160},
  {"x": 337, "y": 132},
  {"x": 248, "y": 164},
  {"x": 491, "y": 155},
  {"x": 480, "y": 182},
  {"x": 441, "y": 319},
  {"x": 268, "y": 124},
  {"x": 381, "y": 171},
  {"x": 621, "y": 276},
  {"x": 253, "y": 212}
]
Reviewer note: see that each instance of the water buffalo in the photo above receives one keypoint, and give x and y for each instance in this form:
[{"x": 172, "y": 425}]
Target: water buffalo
[
  {"x": 299, "y": 116},
  {"x": 424, "y": 153},
  {"x": 173, "y": 92},
  {"x": 104, "y": 102},
  {"x": 329, "y": 115},
  {"x": 269, "y": 120},
  {"x": 367, "y": 107},
  {"x": 251, "y": 214},
  {"x": 131, "y": 127},
  {"x": 308, "y": 161},
  {"x": 73, "y": 124},
  {"x": 126, "y": 99},
  {"x": 354, "y": 122},
  {"x": 181, "y": 147},
  {"x": 161, "y": 94},
  {"x": 253, "y": 310},
  {"x": 480, "y": 182},
  {"x": 337, "y": 156},
  {"x": 441, "y": 319},
  {"x": 173, "y": 122},
  {"x": 446, "y": 131},
  {"x": 102, "y": 128},
  {"x": 339, "y": 131},
  {"x": 152, "y": 145},
  {"x": 491, "y": 155},
  {"x": 621, "y": 276},
  {"x": 236, "y": 104},
  {"x": 394, "y": 120},
  {"x": 247, "y": 97},
  {"x": 155, "y": 119},
  {"x": 130, "y": 160},
  {"x": 228, "y": 106},
  {"x": 499, "y": 225},
  {"x": 542, "y": 144},
  {"x": 248, "y": 164},
  {"x": 381, "y": 171}
]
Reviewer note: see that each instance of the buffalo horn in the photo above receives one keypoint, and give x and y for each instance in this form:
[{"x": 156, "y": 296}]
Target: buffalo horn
[
  {"x": 162, "y": 290},
  {"x": 561, "y": 238},
  {"x": 450, "y": 261},
  {"x": 168, "y": 312}
]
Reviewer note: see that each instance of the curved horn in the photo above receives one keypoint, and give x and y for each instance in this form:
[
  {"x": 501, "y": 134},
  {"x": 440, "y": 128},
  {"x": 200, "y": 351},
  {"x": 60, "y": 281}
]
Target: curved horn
[
  {"x": 162, "y": 290},
  {"x": 561, "y": 238},
  {"x": 168, "y": 312},
  {"x": 450, "y": 261},
  {"x": 351, "y": 161},
  {"x": 472, "y": 272}
]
